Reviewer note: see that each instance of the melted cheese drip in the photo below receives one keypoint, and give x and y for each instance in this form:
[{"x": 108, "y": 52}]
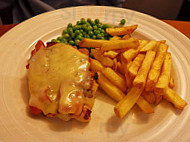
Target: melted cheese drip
[{"x": 55, "y": 77}]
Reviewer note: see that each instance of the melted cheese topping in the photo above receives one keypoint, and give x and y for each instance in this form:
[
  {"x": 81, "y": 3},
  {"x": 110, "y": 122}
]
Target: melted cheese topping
[{"x": 57, "y": 77}]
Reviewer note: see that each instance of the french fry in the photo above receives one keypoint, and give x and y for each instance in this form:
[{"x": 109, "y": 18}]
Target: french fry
[
  {"x": 114, "y": 78},
  {"x": 126, "y": 36},
  {"x": 174, "y": 98},
  {"x": 171, "y": 83},
  {"x": 125, "y": 67},
  {"x": 115, "y": 38},
  {"x": 111, "y": 54},
  {"x": 106, "y": 61},
  {"x": 149, "y": 97},
  {"x": 156, "y": 67},
  {"x": 149, "y": 46},
  {"x": 123, "y": 106},
  {"x": 141, "y": 76},
  {"x": 164, "y": 78},
  {"x": 142, "y": 43},
  {"x": 120, "y": 69},
  {"x": 162, "y": 41},
  {"x": 120, "y": 44},
  {"x": 129, "y": 55},
  {"x": 110, "y": 89},
  {"x": 121, "y": 30},
  {"x": 95, "y": 65},
  {"x": 144, "y": 105},
  {"x": 86, "y": 42},
  {"x": 114, "y": 64},
  {"x": 133, "y": 69}
]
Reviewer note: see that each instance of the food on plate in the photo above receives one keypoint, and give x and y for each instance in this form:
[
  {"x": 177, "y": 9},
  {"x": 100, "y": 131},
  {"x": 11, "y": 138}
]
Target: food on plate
[
  {"x": 60, "y": 83},
  {"x": 124, "y": 105},
  {"x": 164, "y": 77},
  {"x": 129, "y": 70},
  {"x": 141, "y": 76},
  {"x": 174, "y": 98},
  {"x": 121, "y": 30},
  {"x": 117, "y": 44}
]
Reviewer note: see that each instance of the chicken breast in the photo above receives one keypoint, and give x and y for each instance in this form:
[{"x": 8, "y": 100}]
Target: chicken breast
[{"x": 60, "y": 83}]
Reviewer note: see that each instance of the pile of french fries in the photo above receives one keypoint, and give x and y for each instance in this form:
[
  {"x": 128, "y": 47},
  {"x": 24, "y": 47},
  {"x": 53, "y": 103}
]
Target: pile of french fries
[{"x": 133, "y": 71}]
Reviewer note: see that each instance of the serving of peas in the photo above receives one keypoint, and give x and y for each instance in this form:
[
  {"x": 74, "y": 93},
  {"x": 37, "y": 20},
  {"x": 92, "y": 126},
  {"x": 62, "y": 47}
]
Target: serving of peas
[{"x": 89, "y": 28}]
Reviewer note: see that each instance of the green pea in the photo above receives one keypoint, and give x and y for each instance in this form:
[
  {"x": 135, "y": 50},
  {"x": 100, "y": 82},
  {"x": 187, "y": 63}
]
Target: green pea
[
  {"x": 63, "y": 39},
  {"x": 99, "y": 36},
  {"x": 71, "y": 42},
  {"x": 77, "y": 32},
  {"x": 96, "y": 32},
  {"x": 78, "y": 22},
  {"x": 87, "y": 36},
  {"x": 64, "y": 32},
  {"x": 77, "y": 41},
  {"x": 81, "y": 30},
  {"x": 97, "y": 21},
  {"x": 66, "y": 36},
  {"x": 103, "y": 31},
  {"x": 70, "y": 31},
  {"x": 115, "y": 26},
  {"x": 95, "y": 27},
  {"x": 73, "y": 35},
  {"x": 79, "y": 37},
  {"x": 59, "y": 38},
  {"x": 99, "y": 25},
  {"x": 69, "y": 25},
  {"x": 90, "y": 33},
  {"x": 100, "y": 29},
  {"x": 90, "y": 28},
  {"x": 94, "y": 36},
  {"x": 102, "y": 38},
  {"x": 83, "y": 21},
  {"x": 54, "y": 40},
  {"x": 84, "y": 26},
  {"x": 92, "y": 23},
  {"x": 107, "y": 26},
  {"x": 122, "y": 22},
  {"x": 89, "y": 20}
]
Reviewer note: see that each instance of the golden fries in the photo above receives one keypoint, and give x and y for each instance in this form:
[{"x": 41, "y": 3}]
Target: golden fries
[
  {"x": 133, "y": 69},
  {"x": 114, "y": 78},
  {"x": 106, "y": 61},
  {"x": 109, "y": 88},
  {"x": 129, "y": 55},
  {"x": 142, "y": 43},
  {"x": 149, "y": 46},
  {"x": 171, "y": 83},
  {"x": 149, "y": 97},
  {"x": 115, "y": 38},
  {"x": 141, "y": 76},
  {"x": 120, "y": 44},
  {"x": 121, "y": 30},
  {"x": 138, "y": 67},
  {"x": 86, "y": 42},
  {"x": 95, "y": 65},
  {"x": 126, "y": 36},
  {"x": 144, "y": 105},
  {"x": 172, "y": 96},
  {"x": 164, "y": 78},
  {"x": 127, "y": 102},
  {"x": 111, "y": 54},
  {"x": 156, "y": 67}
]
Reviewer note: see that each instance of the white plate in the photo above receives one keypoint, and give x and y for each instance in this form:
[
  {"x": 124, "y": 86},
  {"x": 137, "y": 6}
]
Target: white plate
[{"x": 17, "y": 124}]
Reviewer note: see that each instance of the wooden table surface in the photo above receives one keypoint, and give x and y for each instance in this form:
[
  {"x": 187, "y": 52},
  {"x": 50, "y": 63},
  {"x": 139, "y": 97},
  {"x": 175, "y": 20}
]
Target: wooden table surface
[{"x": 182, "y": 26}]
